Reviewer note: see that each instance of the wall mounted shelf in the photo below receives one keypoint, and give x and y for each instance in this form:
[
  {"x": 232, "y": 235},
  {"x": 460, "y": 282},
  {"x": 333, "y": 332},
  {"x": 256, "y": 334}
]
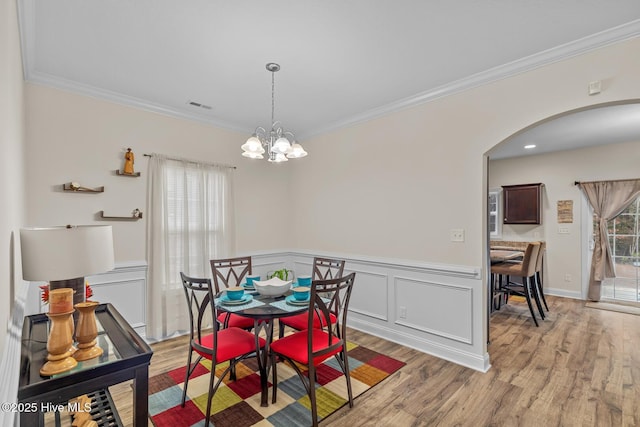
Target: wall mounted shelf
[
  {"x": 121, "y": 218},
  {"x": 69, "y": 187},
  {"x": 135, "y": 175}
]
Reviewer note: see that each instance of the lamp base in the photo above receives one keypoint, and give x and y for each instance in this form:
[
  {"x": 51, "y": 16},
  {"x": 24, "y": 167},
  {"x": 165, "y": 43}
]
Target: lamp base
[{"x": 76, "y": 284}]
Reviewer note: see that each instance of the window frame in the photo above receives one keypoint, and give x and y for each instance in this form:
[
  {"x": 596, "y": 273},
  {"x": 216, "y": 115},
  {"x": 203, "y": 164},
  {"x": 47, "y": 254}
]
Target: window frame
[{"x": 497, "y": 232}]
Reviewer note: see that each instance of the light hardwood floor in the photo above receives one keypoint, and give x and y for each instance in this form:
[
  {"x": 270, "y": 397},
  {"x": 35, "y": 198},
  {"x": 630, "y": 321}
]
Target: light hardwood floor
[{"x": 581, "y": 367}]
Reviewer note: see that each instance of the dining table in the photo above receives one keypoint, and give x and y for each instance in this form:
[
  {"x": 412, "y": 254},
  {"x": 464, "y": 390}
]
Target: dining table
[
  {"x": 502, "y": 255},
  {"x": 264, "y": 310}
]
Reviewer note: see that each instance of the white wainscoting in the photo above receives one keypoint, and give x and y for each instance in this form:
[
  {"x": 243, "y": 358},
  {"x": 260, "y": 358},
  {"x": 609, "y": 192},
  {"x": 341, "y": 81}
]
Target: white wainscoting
[
  {"x": 437, "y": 309},
  {"x": 125, "y": 287}
]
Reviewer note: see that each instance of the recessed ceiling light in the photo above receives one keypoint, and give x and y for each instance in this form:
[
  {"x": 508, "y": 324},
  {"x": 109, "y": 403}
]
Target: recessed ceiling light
[{"x": 530, "y": 146}]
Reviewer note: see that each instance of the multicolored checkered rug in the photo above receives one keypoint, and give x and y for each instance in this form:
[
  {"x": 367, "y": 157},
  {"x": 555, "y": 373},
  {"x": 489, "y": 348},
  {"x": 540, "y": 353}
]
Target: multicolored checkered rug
[{"x": 237, "y": 403}]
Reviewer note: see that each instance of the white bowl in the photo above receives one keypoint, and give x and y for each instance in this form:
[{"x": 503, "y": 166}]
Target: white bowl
[{"x": 273, "y": 287}]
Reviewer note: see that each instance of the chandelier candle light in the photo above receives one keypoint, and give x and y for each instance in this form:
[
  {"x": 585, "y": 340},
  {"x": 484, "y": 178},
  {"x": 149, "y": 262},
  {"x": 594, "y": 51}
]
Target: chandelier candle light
[{"x": 280, "y": 143}]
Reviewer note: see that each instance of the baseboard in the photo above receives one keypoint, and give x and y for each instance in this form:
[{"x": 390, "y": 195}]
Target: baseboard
[{"x": 459, "y": 357}]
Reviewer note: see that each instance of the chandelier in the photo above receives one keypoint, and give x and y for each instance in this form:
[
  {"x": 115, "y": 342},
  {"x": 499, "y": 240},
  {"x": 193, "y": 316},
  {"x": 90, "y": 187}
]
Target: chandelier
[{"x": 278, "y": 143}]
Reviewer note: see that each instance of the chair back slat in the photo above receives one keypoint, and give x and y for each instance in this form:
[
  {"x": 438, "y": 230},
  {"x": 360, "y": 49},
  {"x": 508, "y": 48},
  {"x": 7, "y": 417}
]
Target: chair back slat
[
  {"x": 202, "y": 312},
  {"x": 330, "y": 297},
  {"x": 230, "y": 272},
  {"x": 327, "y": 268}
]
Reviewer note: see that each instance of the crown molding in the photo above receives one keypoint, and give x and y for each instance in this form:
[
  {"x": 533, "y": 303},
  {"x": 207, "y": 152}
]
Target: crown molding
[
  {"x": 119, "y": 98},
  {"x": 559, "y": 53}
]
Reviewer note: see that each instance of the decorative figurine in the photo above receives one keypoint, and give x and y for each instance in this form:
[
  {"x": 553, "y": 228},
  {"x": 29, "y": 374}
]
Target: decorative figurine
[{"x": 128, "y": 162}]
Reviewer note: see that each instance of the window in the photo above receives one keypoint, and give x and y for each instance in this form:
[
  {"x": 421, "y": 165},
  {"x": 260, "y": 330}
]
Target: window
[
  {"x": 195, "y": 197},
  {"x": 190, "y": 222},
  {"x": 495, "y": 218},
  {"x": 624, "y": 236}
]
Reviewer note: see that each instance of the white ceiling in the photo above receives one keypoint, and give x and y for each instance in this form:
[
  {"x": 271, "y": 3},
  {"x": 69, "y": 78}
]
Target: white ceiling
[{"x": 342, "y": 61}]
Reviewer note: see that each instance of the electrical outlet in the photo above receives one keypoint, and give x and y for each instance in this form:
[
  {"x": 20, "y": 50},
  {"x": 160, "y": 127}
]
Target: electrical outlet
[
  {"x": 563, "y": 230},
  {"x": 567, "y": 278},
  {"x": 457, "y": 234},
  {"x": 403, "y": 312}
]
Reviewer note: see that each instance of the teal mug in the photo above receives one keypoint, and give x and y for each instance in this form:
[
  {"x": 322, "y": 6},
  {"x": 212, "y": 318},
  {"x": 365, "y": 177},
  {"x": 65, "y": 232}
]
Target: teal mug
[
  {"x": 235, "y": 294},
  {"x": 301, "y": 293},
  {"x": 251, "y": 279},
  {"x": 304, "y": 280}
]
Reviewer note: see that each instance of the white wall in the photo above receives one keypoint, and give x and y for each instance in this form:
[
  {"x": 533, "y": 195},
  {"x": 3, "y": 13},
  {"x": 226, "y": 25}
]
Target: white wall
[
  {"x": 77, "y": 138},
  {"x": 395, "y": 186},
  {"x": 12, "y": 120},
  {"x": 12, "y": 123},
  {"x": 386, "y": 192},
  {"x": 558, "y": 172}
]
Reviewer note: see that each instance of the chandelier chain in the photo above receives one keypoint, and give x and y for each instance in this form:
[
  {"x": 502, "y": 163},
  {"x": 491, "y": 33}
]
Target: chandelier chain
[{"x": 273, "y": 97}]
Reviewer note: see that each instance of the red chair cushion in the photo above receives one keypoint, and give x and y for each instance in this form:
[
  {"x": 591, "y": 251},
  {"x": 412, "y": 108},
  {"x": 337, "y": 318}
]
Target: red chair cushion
[
  {"x": 300, "y": 321},
  {"x": 232, "y": 343},
  {"x": 294, "y": 346},
  {"x": 236, "y": 321}
]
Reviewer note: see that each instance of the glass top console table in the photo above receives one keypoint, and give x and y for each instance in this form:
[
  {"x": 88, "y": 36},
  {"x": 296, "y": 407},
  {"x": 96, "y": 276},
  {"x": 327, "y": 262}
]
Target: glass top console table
[{"x": 126, "y": 357}]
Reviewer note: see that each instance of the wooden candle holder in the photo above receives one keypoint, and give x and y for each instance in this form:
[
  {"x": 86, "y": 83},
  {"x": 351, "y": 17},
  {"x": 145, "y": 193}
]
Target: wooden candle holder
[
  {"x": 86, "y": 332},
  {"x": 60, "y": 339}
]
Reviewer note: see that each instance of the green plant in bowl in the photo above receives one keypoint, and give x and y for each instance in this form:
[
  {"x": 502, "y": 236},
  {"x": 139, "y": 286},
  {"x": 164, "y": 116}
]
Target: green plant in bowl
[{"x": 282, "y": 274}]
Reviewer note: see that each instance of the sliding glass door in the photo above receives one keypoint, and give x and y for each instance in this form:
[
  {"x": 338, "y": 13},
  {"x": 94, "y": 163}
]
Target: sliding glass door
[{"x": 624, "y": 238}]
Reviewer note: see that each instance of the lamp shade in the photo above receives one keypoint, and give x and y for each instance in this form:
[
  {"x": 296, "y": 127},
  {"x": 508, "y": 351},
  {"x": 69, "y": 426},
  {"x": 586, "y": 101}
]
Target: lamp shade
[{"x": 62, "y": 253}]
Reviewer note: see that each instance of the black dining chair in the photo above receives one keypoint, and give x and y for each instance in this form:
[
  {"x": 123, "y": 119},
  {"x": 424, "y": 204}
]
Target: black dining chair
[
  {"x": 231, "y": 344},
  {"x": 228, "y": 273},
  {"x": 323, "y": 268},
  {"x": 310, "y": 347}
]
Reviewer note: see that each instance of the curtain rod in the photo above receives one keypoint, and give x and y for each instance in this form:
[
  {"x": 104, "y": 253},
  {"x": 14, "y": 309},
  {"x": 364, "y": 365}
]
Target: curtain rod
[
  {"x": 605, "y": 180},
  {"x": 193, "y": 161}
]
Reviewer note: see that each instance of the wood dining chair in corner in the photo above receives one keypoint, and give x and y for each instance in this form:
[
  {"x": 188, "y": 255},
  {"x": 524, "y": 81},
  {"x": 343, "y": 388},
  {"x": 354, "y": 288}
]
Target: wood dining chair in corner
[
  {"x": 525, "y": 270},
  {"x": 220, "y": 345},
  {"x": 323, "y": 268},
  {"x": 228, "y": 273},
  {"x": 310, "y": 347}
]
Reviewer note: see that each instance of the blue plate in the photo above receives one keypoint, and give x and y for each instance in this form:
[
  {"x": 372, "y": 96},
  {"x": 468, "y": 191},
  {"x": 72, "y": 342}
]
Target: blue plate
[
  {"x": 224, "y": 300},
  {"x": 248, "y": 287},
  {"x": 293, "y": 301}
]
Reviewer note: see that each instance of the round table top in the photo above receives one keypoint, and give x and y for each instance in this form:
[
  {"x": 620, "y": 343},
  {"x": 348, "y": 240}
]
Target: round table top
[{"x": 265, "y": 311}]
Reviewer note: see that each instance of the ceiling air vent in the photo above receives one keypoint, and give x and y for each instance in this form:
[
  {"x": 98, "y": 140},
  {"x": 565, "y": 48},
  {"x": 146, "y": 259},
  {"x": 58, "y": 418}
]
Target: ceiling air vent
[{"x": 199, "y": 105}]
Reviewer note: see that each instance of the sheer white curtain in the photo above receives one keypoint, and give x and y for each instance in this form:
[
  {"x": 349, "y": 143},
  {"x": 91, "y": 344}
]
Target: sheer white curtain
[{"x": 190, "y": 221}]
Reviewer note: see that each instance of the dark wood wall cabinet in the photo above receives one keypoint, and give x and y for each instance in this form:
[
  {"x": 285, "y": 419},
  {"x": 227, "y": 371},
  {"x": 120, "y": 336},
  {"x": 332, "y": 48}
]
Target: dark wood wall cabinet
[{"x": 522, "y": 203}]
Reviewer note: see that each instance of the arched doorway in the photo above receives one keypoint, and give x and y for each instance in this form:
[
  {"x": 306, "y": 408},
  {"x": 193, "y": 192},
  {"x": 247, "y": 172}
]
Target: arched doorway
[{"x": 570, "y": 146}]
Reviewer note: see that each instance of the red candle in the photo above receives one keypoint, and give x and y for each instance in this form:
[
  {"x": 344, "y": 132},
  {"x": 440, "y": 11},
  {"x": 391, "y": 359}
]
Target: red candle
[{"x": 60, "y": 300}]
